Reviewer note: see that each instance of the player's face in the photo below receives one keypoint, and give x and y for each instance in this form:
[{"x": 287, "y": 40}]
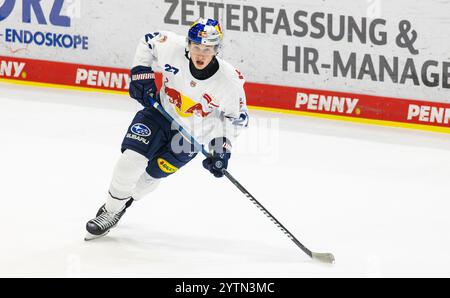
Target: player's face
[{"x": 201, "y": 54}]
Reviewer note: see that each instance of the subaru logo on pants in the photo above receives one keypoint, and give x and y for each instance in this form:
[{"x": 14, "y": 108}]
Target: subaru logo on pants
[{"x": 141, "y": 130}]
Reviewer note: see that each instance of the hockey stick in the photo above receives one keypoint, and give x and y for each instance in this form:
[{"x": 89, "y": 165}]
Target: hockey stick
[{"x": 322, "y": 257}]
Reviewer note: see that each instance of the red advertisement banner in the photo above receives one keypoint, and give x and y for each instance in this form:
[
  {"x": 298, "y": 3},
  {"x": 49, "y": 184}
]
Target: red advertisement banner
[{"x": 322, "y": 103}]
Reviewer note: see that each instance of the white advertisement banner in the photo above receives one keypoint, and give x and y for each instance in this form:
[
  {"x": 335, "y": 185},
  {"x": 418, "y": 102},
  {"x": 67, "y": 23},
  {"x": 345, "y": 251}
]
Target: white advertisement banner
[{"x": 383, "y": 48}]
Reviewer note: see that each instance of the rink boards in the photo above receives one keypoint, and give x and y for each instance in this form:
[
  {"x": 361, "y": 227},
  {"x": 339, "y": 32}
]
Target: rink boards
[{"x": 415, "y": 114}]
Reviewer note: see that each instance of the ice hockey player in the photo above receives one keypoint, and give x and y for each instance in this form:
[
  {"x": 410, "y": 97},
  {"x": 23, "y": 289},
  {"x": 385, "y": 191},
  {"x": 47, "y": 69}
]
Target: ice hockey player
[{"x": 199, "y": 90}]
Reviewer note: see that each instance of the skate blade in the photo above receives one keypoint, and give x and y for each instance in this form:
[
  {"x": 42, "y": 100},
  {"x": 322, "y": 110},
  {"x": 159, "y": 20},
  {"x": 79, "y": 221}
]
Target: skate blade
[{"x": 90, "y": 236}]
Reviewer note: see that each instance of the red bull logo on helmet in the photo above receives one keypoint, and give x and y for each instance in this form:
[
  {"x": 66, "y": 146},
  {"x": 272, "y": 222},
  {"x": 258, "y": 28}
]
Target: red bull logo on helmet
[
  {"x": 206, "y": 31},
  {"x": 203, "y": 34}
]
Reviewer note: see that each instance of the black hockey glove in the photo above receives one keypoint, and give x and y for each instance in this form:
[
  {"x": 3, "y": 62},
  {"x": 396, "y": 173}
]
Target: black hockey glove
[
  {"x": 142, "y": 84},
  {"x": 220, "y": 154}
]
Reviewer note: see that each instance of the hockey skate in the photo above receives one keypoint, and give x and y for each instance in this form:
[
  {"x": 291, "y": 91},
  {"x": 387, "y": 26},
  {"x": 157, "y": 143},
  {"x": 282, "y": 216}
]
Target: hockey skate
[{"x": 104, "y": 222}]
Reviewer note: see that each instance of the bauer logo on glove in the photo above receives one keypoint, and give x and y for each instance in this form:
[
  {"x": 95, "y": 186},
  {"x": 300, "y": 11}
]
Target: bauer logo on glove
[{"x": 142, "y": 84}]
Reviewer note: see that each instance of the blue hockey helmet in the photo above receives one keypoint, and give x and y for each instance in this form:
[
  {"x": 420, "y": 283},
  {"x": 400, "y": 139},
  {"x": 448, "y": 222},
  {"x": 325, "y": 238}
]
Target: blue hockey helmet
[{"x": 206, "y": 31}]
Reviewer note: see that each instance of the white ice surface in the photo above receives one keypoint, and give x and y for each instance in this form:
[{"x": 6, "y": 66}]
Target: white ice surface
[{"x": 376, "y": 197}]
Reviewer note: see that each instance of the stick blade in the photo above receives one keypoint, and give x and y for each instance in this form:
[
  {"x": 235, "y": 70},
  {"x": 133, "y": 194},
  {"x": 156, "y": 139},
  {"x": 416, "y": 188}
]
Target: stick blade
[{"x": 323, "y": 257}]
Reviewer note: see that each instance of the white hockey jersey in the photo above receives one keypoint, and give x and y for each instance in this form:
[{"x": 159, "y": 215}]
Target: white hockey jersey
[{"x": 215, "y": 107}]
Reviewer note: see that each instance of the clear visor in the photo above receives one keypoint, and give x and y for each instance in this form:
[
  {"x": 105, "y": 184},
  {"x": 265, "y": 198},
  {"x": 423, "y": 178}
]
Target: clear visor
[{"x": 201, "y": 49}]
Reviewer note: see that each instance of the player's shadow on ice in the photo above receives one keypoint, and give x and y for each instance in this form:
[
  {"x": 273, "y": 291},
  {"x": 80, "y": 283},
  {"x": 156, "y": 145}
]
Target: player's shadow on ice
[{"x": 211, "y": 248}]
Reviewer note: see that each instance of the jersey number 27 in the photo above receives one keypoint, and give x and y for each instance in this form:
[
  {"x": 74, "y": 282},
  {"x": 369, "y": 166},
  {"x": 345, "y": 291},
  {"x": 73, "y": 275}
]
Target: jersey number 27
[{"x": 170, "y": 68}]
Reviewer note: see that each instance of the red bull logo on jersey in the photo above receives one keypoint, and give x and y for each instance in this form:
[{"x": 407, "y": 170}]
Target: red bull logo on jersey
[{"x": 186, "y": 107}]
